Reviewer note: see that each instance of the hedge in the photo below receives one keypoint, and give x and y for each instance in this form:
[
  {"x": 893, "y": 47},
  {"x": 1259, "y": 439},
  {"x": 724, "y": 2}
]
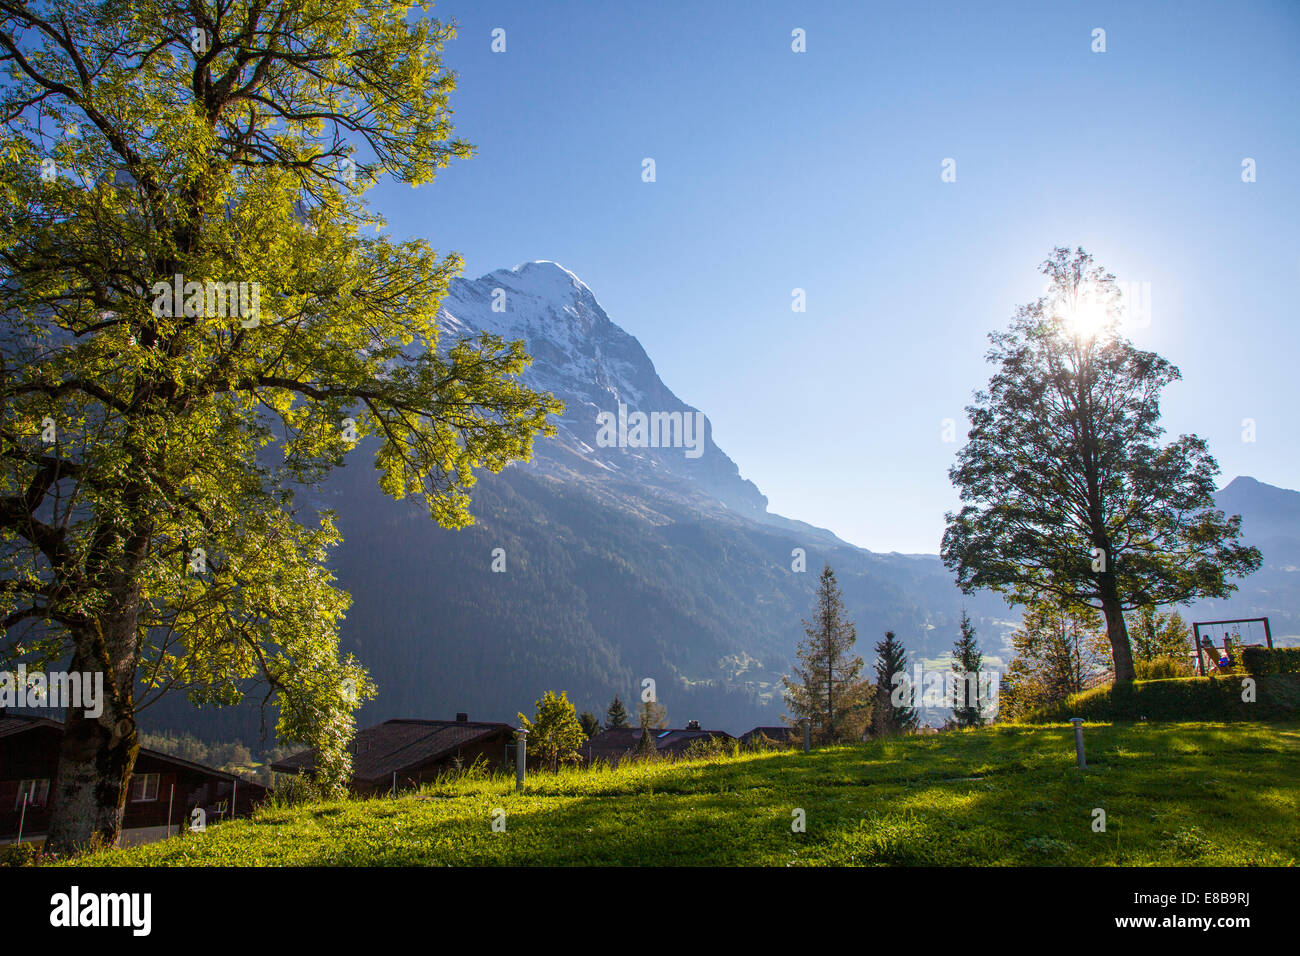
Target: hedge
[
  {"x": 1277, "y": 660},
  {"x": 1277, "y": 697}
]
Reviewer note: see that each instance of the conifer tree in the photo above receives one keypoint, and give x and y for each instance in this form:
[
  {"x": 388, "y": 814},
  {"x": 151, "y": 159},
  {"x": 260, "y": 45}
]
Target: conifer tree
[
  {"x": 652, "y": 714},
  {"x": 967, "y": 665},
  {"x": 645, "y": 747},
  {"x": 590, "y": 723},
  {"x": 892, "y": 713},
  {"x": 616, "y": 715},
  {"x": 828, "y": 688}
]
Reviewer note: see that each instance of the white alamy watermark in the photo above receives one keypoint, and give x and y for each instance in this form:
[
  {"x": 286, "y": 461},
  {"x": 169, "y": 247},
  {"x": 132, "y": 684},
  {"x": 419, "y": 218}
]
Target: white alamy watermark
[
  {"x": 209, "y": 299},
  {"x": 651, "y": 430},
  {"x": 946, "y": 688},
  {"x": 79, "y": 690},
  {"x": 128, "y": 910}
]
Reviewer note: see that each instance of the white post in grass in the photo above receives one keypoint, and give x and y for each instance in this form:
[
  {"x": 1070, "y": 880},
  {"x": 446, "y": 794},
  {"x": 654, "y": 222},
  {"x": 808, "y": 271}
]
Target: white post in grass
[
  {"x": 171, "y": 794},
  {"x": 22, "y": 819},
  {"x": 1078, "y": 741},
  {"x": 807, "y": 734},
  {"x": 234, "y": 792},
  {"x": 521, "y": 754}
]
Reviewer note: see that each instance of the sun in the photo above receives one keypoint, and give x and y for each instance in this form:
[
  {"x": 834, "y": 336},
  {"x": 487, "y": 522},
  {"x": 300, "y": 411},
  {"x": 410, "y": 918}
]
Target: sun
[{"x": 1084, "y": 312}]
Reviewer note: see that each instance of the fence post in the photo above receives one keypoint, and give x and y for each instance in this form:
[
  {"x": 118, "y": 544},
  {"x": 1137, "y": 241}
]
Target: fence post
[
  {"x": 521, "y": 755},
  {"x": 807, "y": 734},
  {"x": 22, "y": 819},
  {"x": 1078, "y": 742}
]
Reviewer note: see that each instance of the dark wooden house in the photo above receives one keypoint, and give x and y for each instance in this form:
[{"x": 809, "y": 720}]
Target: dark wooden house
[
  {"x": 164, "y": 790},
  {"x": 406, "y": 753}
]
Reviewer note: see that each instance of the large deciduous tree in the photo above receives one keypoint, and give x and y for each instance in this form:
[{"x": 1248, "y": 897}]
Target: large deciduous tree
[
  {"x": 199, "y": 316},
  {"x": 1068, "y": 492}
]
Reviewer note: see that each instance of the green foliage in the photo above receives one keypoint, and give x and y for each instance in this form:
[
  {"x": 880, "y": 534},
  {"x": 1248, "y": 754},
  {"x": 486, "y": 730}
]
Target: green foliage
[
  {"x": 1066, "y": 489},
  {"x": 555, "y": 735},
  {"x": 645, "y": 746},
  {"x": 295, "y": 791},
  {"x": 590, "y": 723},
  {"x": 616, "y": 715},
  {"x": 156, "y": 535},
  {"x": 710, "y": 748},
  {"x": 828, "y": 688},
  {"x": 967, "y": 663},
  {"x": 1162, "y": 668},
  {"x": 651, "y": 713},
  {"x": 1277, "y": 697},
  {"x": 1058, "y": 649},
  {"x": 890, "y": 716},
  {"x": 1277, "y": 660},
  {"x": 1154, "y": 634},
  {"x": 992, "y": 796},
  {"x": 20, "y": 854}
]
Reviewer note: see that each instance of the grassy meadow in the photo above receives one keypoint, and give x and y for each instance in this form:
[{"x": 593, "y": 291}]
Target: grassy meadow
[{"x": 1221, "y": 794}]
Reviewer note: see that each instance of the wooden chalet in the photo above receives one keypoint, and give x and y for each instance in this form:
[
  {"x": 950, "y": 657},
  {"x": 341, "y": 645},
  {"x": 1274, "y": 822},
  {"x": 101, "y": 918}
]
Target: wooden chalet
[
  {"x": 164, "y": 790},
  {"x": 404, "y": 753}
]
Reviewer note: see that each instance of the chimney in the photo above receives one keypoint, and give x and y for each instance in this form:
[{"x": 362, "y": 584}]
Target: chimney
[
  {"x": 462, "y": 718},
  {"x": 692, "y": 725}
]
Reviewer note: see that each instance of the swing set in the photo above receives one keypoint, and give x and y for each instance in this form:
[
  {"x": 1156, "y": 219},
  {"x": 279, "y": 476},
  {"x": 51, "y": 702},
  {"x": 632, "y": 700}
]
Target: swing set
[{"x": 1205, "y": 645}]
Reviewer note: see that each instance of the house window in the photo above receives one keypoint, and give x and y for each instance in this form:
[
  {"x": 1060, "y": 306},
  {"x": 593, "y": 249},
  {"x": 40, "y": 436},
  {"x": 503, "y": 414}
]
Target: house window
[
  {"x": 36, "y": 791},
  {"x": 144, "y": 786}
]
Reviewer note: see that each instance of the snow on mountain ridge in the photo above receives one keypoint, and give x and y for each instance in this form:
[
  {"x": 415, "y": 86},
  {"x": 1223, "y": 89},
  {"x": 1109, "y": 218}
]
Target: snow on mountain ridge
[{"x": 594, "y": 366}]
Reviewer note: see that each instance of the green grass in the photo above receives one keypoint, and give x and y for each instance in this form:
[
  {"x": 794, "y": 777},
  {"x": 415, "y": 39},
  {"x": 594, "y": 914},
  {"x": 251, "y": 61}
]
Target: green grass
[{"x": 1192, "y": 794}]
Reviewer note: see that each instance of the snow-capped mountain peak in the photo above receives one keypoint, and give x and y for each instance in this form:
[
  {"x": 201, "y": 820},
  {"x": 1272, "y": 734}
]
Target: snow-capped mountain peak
[{"x": 606, "y": 381}]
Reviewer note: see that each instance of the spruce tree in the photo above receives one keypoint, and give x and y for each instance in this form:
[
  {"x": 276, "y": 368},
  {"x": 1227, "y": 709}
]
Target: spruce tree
[
  {"x": 888, "y": 716},
  {"x": 590, "y": 723},
  {"x": 829, "y": 690},
  {"x": 616, "y": 715},
  {"x": 967, "y": 664},
  {"x": 645, "y": 747}
]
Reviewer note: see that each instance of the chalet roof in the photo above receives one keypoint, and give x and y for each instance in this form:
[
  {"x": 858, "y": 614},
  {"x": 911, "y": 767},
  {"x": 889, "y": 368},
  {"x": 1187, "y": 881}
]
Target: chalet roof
[{"x": 398, "y": 745}]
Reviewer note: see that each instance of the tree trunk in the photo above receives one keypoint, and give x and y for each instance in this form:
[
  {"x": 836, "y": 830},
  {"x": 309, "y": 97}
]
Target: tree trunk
[
  {"x": 98, "y": 754},
  {"x": 1117, "y": 634}
]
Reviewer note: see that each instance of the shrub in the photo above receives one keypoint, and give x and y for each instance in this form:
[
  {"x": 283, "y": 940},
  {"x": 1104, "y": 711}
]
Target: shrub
[
  {"x": 19, "y": 854},
  {"x": 709, "y": 748},
  {"x": 1163, "y": 668},
  {"x": 1277, "y": 660},
  {"x": 1277, "y": 697},
  {"x": 295, "y": 791}
]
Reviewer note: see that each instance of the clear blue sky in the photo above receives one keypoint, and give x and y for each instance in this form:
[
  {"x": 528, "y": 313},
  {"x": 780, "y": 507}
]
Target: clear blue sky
[{"x": 821, "y": 170}]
